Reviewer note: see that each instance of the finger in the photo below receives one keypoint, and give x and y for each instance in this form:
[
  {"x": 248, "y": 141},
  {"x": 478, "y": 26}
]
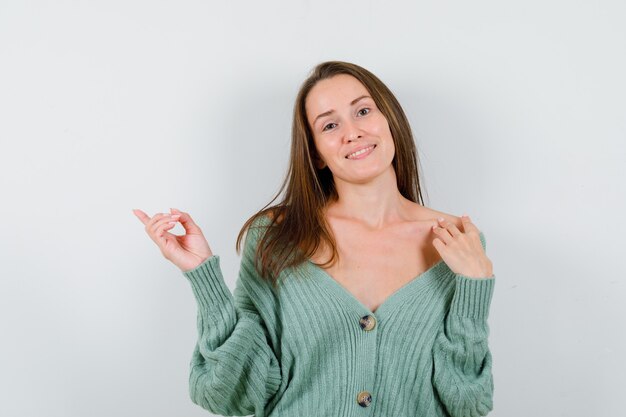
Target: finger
[
  {"x": 161, "y": 236},
  {"x": 442, "y": 234},
  {"x": 468, "y": 225},
  {"x": 152, "y": 224},
  {"x": 187, "y": 222},
  {"x": 439, "y": 245},
  {"x": 141, "y": 216},
  {"x": 163, "y": 228},
  {"x": 163, "y": 220},
  {"x": 153, "y": 230},
  {"x": 449, "y": 226}
]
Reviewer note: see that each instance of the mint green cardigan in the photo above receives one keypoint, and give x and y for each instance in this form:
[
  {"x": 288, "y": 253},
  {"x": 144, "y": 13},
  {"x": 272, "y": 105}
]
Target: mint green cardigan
[{"x": 312, "y": 349}]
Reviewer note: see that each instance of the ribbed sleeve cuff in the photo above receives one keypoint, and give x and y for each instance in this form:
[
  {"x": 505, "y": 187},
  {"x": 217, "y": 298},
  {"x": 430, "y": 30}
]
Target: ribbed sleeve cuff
[
  {"x": 207, "y": 284},
  {"x": 472, "y": 296}
]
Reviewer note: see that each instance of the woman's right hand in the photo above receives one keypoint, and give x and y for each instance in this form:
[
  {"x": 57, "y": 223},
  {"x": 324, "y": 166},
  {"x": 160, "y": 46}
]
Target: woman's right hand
[{"x": 187, "y": 251}]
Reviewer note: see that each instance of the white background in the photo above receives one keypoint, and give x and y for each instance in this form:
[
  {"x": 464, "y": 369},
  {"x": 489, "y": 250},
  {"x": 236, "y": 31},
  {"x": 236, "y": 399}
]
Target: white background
[{"x": 519, "y": 115}]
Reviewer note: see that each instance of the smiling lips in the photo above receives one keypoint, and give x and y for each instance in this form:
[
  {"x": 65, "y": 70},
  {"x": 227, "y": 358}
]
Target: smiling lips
[{"x": 361, "y": 153}]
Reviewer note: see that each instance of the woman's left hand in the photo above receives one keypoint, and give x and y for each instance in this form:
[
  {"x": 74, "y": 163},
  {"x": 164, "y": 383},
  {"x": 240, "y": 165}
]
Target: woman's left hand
[{"x": 462, "y": 251}]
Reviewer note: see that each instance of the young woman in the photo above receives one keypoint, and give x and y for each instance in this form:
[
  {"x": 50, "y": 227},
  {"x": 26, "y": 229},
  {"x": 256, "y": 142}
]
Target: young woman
[{"x": 353, "y": 298}]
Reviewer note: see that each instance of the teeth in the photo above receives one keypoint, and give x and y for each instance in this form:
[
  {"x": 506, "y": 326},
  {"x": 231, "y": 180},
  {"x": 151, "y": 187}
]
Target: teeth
[{"x": 357, "y": 153}]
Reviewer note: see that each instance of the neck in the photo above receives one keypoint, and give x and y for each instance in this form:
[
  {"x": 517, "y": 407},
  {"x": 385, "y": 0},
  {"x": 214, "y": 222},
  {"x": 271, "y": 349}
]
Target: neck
[{"x": 376, "y": 203}]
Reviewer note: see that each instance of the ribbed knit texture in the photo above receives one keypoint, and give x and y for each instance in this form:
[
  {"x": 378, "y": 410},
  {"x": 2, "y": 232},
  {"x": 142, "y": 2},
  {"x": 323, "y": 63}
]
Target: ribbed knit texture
[{"x": 301, "y": 351}]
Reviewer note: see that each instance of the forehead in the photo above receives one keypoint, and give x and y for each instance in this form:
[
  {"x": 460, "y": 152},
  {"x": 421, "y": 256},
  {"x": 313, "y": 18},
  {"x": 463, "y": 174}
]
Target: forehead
[{"x": 334, "y": 92}]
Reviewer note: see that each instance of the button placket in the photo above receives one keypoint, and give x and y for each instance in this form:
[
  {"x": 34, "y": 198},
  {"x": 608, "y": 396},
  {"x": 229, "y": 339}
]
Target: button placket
[{"x": 368, "y": 324}]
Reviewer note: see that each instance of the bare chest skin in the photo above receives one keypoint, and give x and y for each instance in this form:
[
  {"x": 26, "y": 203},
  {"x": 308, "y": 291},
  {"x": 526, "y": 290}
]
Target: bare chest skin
[{"x": 374, "y": 264}]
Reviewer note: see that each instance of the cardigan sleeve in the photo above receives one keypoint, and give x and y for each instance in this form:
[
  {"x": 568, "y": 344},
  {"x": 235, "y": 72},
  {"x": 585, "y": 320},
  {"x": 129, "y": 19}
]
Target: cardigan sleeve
[
  {"x": 462, "y": 361},
  {"x": 234, "y": 369}
]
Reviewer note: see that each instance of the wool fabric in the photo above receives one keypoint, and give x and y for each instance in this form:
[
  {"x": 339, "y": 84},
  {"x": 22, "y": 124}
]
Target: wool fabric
[{"x": 311, "y": 349}]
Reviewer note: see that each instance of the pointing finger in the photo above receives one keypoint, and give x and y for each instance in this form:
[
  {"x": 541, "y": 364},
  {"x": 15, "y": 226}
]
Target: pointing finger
[{"x": 143, "y": 217}]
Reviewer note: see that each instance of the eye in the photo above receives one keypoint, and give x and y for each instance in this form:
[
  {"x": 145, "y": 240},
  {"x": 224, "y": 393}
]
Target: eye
[
  {"x": 327, "y": 126},
  {"x": 364, "y": 108}
]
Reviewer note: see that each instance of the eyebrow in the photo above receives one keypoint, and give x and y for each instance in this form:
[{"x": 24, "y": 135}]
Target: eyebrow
[{"x": 326, "y": 113}]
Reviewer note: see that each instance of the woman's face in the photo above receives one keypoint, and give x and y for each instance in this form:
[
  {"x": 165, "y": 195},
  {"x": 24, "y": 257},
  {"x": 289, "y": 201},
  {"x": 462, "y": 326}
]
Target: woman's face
[{"x": 344, "y": 118}]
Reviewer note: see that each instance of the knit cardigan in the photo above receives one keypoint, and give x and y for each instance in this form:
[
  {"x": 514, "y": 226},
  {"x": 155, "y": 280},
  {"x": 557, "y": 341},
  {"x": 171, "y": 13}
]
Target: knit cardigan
[{"x": 311, "y": 348}]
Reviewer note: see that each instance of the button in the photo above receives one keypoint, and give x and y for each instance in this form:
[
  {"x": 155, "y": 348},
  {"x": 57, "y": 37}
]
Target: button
[
  {"x": 364, "y": 399},
  {"x": 367, "y": 322}
]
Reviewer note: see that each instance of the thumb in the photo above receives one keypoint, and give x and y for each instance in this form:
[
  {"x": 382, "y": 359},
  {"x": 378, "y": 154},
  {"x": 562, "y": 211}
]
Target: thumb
[{"x": 187, "y": 222}]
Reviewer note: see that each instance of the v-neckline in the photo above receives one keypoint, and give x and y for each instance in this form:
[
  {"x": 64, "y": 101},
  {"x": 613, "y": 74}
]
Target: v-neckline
[{"x": 394, "y": 298}]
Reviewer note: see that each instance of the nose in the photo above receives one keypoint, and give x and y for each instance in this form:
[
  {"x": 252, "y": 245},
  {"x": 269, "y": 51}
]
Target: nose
[{"x": 352, "y": 131}]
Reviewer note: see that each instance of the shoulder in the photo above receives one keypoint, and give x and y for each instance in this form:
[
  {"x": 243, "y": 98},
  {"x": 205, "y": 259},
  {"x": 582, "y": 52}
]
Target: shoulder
[
  {"x": 260, "y": 222},
  {"x": 262, "y": 219},
  {"x": 430, "y": 215},
  {"x": 272, "y": 213}
]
